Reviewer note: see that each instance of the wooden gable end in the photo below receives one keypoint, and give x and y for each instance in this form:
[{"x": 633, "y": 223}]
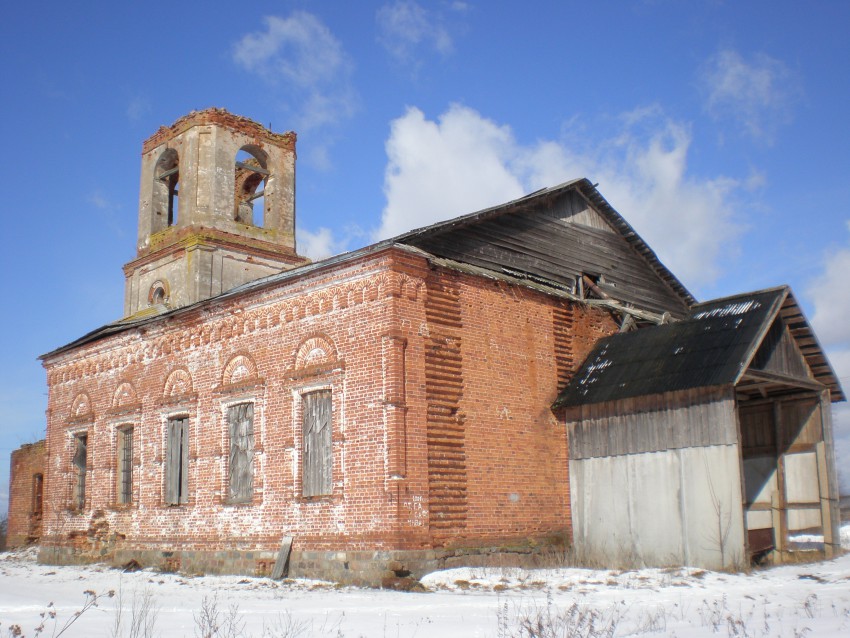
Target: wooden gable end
[
  {"x": 779, "y": 354},
  {"x": 558, "y": 240}
]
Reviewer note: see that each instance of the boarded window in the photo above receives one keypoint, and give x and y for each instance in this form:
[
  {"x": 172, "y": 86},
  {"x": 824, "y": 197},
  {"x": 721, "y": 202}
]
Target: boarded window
[
  {"x": 80, "y": 463},
  {"x": 125, "y": 465},
  {"x": 317, "y": 455},
  {"x": 240, "y": 419},
  {"x": 177, "y": 462}
]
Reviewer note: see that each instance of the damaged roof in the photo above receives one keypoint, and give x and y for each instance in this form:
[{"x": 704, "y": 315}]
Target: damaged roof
[
  {"x": 713, "y": 346},
  {"x": 503, "y": 241},
  {"x": 537, "y": 236}
]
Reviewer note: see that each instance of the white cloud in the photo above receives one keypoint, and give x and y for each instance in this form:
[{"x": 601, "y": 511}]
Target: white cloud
[
  {"x": 138, "y": 107},
  {"x": 321, "y": 243},
  {"x": 463, "y": 162},
  {"x": 108, "y": 210},
  {"x": 757, "y": 94},
  {"x": 405, "y": 26},
  {"x": 439, "y": 170},
  {"x": 99, "y": 201},
  {"x": 691, "y": 222},
  {"x": 830, "y": 295},
  {"x": 302, "y": 55}
]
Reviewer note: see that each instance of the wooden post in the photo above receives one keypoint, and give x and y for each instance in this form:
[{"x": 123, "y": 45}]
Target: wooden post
[
  {"x": 778, "y": 537},
  {"x": 778, "y": 503},
  {"x": 825, "y": 502},
  {"x": 831, "y": 493},
  {"x": 281, "y": 565}
]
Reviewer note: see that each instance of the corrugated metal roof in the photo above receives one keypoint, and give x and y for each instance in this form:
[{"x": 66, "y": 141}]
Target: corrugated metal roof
[{"x": 713, "y": 346}]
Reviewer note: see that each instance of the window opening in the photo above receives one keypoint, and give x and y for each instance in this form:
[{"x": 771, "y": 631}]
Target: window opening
[
  {"x": 158, "y": 294},
  {"x": 125, "y": 465},
  {"x": 251, "y": 182},
  {"x": 240, "y": 420},
  {"x": 168, "y": 177},
  {"x": 177, "y": 461},
  {"x": 80, "y": 463},
  {"x": 317, "y": 451},
  {"x": 587, "y": 286},
  {"x": 37, "y": 494}
]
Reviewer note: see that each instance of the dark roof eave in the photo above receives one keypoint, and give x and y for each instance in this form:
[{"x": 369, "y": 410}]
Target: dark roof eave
[
  {"x": 125, "y": 324},
  {"x": 560, "y": 404},
  {"x": 782, "y": 303}
]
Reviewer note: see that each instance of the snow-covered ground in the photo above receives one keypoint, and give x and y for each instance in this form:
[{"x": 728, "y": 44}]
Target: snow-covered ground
[{"x": 810, "y": 599}]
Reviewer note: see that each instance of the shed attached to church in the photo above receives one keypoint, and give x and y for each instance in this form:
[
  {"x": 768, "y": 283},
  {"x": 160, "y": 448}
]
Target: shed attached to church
[{"x": 704, "y": 441}]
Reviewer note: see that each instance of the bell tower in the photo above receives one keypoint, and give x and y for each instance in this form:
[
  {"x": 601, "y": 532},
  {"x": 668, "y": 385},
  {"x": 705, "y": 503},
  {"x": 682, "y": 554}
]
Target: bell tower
[{"x": 216, "y": 210}]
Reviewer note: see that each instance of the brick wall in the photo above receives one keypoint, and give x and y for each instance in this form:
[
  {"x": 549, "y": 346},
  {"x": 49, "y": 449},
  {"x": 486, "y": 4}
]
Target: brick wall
[
  {"x": 441, "y": 430},
  {"x": 513, "y": 451},
  {"x": 25, "y": 491}
]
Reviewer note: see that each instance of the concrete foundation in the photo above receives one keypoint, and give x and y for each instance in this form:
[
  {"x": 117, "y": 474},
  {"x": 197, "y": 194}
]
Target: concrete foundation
[{"x": 362, "y": 568}]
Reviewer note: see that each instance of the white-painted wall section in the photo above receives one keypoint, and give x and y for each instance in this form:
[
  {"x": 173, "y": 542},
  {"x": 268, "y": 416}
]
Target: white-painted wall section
[{"x": 673, "y": 507}]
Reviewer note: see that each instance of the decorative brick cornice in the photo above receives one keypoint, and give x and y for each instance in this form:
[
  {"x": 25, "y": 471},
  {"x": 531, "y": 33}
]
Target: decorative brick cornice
[
  {"x": 174, "y": 240},
  {"x": 220, "y": 117},
  {"x": 218, "y": 326}
]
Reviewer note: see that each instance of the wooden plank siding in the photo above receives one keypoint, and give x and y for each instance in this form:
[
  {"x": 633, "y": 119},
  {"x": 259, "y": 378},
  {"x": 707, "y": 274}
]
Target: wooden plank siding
[
  {"x": 177, "y": 462},
  {"x": 673, "y": 420},
  {"x": 806, "y": 341},
  {"x": 552, "y": 246},
  {"x": 317, "y": 453},
  {"x": 758, "y": 434},
  {"x": 779, "y": 353},
  {"x": 562, "y": 257},
  {"x": 802, "y": 426},
  {"x": 240, "y": 419},
  {"x": 573, "y": 208}
]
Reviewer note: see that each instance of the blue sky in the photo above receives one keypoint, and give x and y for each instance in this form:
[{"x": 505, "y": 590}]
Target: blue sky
[{"x": 718, "y": 129}]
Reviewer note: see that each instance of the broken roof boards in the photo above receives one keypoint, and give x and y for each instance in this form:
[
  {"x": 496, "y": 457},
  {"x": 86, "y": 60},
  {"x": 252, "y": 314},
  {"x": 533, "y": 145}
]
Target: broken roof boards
[{"x": 548, "y": 240}]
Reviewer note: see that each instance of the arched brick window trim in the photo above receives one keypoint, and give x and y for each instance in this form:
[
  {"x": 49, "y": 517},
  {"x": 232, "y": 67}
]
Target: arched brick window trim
[
  {"x": 241, "y": 369},
  {"x": 81, "y": 406},
  {"x": 178, "y": 383},
  {"x": 125, "y": 394},
  {"x": 316, "y": 353}
]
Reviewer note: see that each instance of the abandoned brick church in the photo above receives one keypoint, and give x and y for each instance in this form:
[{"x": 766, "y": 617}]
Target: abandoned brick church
[{"x": 390, "y": 410}]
